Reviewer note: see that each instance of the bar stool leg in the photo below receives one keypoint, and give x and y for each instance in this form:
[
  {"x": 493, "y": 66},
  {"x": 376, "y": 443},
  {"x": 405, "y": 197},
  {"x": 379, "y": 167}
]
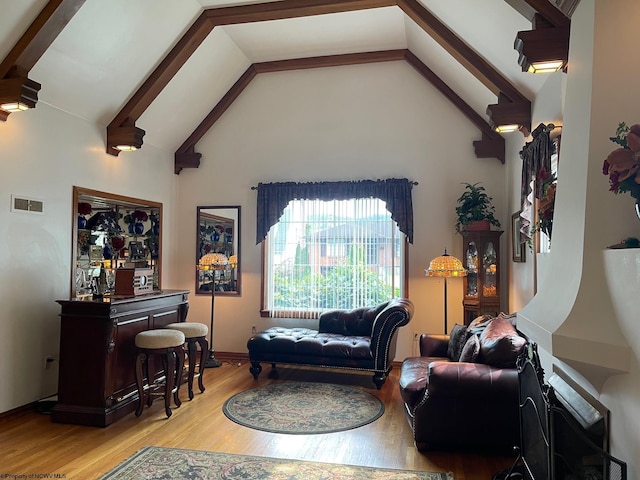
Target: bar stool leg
[
  {"x": 179, "y": 371},
  {"x": 191, "y": 352},
  {"x": 204, "y": 348},
  {"x": 140, "y": 361},
  {"x": 169, "y": 379}
]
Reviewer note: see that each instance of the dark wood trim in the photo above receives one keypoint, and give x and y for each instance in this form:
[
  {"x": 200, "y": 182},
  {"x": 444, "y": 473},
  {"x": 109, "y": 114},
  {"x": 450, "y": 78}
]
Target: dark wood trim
[
  {"x": 462, "y": 52},
  {"x": 217, "y": 111},
  {"x": 40, "y": 35},
  {"x": 285, "y": 9},
  {"x": 185, "y": 155},
  {"x": 213, "y": 17}
]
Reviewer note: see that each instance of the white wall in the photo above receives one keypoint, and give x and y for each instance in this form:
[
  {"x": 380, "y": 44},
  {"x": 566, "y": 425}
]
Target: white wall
[
  {"x": 45, "y": 153},
  {"x": 345, "y": 123},
  {"x": 583, "y": 316}
]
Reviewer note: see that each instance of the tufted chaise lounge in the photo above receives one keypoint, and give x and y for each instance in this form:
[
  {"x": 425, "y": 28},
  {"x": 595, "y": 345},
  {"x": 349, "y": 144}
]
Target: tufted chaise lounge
[{"x": 360, "y": 339}]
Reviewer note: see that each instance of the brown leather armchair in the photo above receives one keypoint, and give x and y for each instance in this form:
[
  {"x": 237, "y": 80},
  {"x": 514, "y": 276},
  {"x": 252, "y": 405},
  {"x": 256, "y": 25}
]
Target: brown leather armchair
[{"x": 462, "y": 406}]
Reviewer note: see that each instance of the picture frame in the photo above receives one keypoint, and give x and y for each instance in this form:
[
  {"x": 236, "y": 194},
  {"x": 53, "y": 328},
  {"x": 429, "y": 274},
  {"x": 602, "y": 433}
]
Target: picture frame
[{"x": 518, "y": 249}]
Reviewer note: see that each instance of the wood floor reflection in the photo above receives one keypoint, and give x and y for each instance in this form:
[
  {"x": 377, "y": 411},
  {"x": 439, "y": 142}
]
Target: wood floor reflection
[{"x": 33, "y": 445}]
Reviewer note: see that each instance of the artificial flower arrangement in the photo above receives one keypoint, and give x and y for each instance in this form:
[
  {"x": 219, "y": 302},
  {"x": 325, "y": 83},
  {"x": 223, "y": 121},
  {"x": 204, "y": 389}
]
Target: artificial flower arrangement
[
  {"x": 623, "y": 165},
  {"x": 546, "y": 204}
]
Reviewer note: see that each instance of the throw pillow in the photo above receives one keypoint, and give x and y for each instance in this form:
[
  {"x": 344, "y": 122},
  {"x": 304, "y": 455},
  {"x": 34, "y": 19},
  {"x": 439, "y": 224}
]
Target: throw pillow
[
  {"x": 471, "y": 349},
  {"x": 457, "y": 339},
  {"x": 478, "y": 325},
  {"x": 500, "y": 344}
]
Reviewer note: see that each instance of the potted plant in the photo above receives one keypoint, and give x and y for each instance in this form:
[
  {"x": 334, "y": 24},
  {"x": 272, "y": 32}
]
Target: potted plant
[{"x": 474, "y": 205}]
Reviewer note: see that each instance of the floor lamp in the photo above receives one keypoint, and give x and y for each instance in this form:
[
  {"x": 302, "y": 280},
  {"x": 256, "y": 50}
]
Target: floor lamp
[
  {"x": 445, "y": 266},
  {"x": 212, "y": 262}
]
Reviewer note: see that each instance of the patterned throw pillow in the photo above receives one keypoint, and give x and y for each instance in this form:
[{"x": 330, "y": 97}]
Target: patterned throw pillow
[
  {"x": 457, "y": 339},
  {"x": 471, "y": 349}
]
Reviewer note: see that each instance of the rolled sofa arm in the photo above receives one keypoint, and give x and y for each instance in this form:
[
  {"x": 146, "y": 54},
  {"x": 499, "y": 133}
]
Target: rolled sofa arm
[{"x": 383, "y": 335}]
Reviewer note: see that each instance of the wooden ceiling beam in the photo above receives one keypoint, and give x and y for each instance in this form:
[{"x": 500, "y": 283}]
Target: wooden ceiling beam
[
  {"x": 40, "y": 35},
  {"x": 491, "y": 145},
  {"x": 34, "y": 42},
  {"x": 284, "y": 9},
  {"x": 463, "y": 53},
  {"x": 556, "y": 16}
]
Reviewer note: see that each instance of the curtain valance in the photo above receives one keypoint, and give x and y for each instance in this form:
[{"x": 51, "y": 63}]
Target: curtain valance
[
  {"x": 535, "y": 155},
  {"x": 273, "y": 198}
]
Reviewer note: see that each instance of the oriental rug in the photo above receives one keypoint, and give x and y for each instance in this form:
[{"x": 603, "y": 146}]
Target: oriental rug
[
  {"x": 303, "y": 408},
  {"x": 158, "y": 463}
]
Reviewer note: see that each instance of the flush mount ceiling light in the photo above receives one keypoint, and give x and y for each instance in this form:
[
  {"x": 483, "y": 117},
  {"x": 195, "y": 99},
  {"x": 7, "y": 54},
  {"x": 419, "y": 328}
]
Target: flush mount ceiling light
[
  {"x": 507, "y": 116},
  {"x": 18, "y": 92},
  {"x": 126, "y": 138},
  {"x": 544, "y": 49}
]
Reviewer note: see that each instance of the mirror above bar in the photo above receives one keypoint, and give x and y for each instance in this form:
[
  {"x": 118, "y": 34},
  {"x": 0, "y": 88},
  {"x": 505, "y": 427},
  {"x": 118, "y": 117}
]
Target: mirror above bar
[{"x": 113, "y": 232}]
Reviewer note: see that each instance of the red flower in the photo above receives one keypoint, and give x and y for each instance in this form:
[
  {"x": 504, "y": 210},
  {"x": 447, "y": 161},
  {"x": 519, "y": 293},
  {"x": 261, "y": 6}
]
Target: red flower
[
  {"x": 84, "y": 208},
  {"x": 140, "y": 216}
]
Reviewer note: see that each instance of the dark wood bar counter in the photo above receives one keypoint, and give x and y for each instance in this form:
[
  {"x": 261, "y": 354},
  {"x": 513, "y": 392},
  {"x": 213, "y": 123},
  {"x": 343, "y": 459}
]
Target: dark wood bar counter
[{"x": 96, "y": 381}]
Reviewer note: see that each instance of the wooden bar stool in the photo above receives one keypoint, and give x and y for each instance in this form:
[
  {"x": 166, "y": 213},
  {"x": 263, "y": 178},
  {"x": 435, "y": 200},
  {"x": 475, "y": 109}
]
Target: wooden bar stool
[
  {"x": 195, "y": 334},
  {"x": 168, "y": 344}
]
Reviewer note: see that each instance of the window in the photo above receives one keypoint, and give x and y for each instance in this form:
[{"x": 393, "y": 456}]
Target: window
[{"x": 331, "y": 254}]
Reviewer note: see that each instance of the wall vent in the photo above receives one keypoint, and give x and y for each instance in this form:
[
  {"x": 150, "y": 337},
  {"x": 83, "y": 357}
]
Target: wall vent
[{"x": 24, "y": 204}]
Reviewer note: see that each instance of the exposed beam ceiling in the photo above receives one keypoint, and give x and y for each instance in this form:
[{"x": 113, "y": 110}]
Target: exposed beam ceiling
[
  {"x": 491, "y": 145},
  {"x": 286, "y": 9}
]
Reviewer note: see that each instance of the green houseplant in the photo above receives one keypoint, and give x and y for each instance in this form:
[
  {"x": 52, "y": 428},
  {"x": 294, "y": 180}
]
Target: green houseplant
[{"x": 474, "y": 205}]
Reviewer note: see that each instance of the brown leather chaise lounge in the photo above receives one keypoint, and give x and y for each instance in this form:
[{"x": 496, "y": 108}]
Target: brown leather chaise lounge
[{"x": 360, "y": 339}]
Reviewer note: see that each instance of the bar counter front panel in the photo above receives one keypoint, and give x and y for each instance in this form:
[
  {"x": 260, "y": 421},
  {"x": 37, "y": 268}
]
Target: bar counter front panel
[{"x": 96, "y": 382}]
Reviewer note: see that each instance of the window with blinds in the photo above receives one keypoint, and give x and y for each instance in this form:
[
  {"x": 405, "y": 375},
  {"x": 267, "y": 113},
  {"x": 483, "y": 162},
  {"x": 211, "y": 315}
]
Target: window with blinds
[{"x": 324, "y": 255}]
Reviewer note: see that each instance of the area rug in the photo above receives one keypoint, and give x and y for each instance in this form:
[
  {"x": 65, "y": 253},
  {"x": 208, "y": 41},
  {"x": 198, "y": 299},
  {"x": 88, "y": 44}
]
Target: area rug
[
  {"x": 303, "y": 408},
  {"x": 157, "y": 463}
]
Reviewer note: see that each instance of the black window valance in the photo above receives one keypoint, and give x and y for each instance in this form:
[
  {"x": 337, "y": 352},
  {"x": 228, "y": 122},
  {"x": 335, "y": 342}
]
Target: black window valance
[
  {"x": 273, "y": 198},
  {"x": 535, "y": 155}
]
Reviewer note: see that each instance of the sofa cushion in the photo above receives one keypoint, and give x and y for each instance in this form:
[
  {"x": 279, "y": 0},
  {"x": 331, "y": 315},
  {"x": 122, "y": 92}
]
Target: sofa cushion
[
  {"x": 457, "y": 339},
  {"x": 500, "y": 344},
  {"x": 471, "y": 349}
]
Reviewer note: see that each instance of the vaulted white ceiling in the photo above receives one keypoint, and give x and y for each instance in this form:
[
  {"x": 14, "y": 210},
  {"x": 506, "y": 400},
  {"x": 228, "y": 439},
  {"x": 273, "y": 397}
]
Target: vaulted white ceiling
[{"x": 109, "y": 48}]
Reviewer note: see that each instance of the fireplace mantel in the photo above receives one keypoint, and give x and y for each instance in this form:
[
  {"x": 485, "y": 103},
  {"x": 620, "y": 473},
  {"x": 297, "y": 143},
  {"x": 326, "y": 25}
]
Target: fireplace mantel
[{"x": 589, "y": 324}]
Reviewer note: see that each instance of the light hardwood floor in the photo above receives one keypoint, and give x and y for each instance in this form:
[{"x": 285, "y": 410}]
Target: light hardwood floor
[{"x": 31, "y": 444}]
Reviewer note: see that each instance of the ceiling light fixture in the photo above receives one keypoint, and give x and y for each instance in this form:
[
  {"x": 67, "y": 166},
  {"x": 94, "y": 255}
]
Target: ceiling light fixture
[
  {"x": 507, "y": 116},
  {"x": 544, "y": 49},
  {"x": 127, "y": 138},
  {"x": 17, "y": 92}
]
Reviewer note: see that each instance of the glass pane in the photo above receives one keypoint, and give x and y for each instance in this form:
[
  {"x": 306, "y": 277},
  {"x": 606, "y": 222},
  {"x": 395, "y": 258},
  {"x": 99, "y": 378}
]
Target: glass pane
[
  {"x": 489, "y": 288},
  {"x": 472, "y": 270}
]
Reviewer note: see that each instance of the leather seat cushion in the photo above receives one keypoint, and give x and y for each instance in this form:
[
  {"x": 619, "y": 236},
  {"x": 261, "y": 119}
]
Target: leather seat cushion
[{"x": 307, "y": 342}]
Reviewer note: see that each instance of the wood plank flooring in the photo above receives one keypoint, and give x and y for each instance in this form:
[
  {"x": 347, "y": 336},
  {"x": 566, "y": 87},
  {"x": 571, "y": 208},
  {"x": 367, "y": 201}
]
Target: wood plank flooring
[{"x": 32, "y": 445}]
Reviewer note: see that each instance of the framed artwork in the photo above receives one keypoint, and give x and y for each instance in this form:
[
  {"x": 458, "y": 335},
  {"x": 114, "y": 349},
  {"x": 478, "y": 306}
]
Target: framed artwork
[{"x": 517, "y": 243}]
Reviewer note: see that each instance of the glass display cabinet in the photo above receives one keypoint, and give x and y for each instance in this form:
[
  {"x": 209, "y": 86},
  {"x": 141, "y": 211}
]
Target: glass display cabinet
[{"x": 482, "y": 283}]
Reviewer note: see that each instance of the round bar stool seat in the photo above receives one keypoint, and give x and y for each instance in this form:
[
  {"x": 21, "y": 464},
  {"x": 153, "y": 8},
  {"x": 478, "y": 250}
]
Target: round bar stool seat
[
  {"x": 195, "y": 334},
  {"x": 168, "y": 344}
]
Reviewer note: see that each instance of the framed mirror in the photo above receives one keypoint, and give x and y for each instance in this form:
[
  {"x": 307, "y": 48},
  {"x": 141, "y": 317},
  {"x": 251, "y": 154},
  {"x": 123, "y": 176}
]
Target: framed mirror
[
  {"x": 218, "y": 231},
  {"x": 112, "y": 232}
]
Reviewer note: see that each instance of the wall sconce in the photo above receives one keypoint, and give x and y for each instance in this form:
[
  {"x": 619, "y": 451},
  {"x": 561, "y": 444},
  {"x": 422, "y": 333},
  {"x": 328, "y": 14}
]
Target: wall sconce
[
  {"x": 17, "y": 93},
  {"x": 126, "y": 138},
  {"x": 507, "y": 116},
  {"x": 544, "y": 49}
]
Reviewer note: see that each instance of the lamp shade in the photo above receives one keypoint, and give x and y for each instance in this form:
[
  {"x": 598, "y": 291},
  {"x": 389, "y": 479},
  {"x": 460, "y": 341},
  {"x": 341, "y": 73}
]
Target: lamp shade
[
  {"x": 233, "y": 261},
  {"x": 213, "y": 261},
  {"x": 445, "y": 266}
]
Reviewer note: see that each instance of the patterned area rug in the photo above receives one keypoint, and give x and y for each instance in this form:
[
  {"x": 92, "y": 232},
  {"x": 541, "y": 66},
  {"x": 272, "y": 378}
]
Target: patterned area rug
[
  {"x": 156, "y": 463},
  {"x": 303, "y": 408}
]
